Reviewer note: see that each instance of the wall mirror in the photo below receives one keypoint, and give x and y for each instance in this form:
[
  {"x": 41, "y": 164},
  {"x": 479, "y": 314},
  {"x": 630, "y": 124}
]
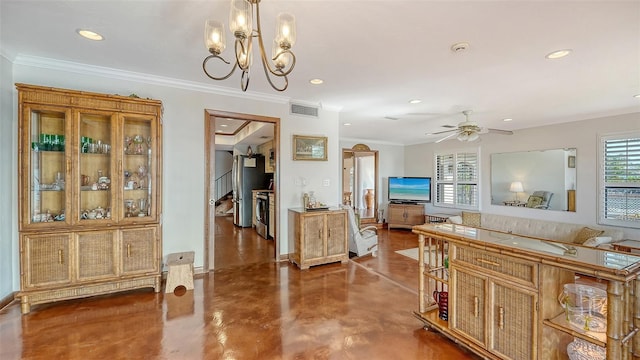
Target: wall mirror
[
  {"x": 539, "y": 179},
  {"x": 360, "y": 181}
]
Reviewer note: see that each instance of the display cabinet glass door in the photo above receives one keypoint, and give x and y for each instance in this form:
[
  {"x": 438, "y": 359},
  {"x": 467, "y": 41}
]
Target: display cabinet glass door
[
  {"x": 96, "y": 167},
  {"x": 138, "y": 168},
  {"x": 46, "y": 166}
]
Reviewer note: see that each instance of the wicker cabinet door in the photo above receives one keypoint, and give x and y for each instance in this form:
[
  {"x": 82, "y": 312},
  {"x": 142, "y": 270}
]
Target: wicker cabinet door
[
  {"x": 94, "y": 167},
  {"x": 513, "y": 322},
  {"x": 96, "y": 255},
  {"x": 140, "y": 150},
  {"x": 468, "y": 310},
  {"x": 139, "y": 251},
  {"x": 336, "y": 239},
  {"x": 313, "y": 237},
  {"x": 46, "y": 260},
  {"x": 44, "y": 166}
]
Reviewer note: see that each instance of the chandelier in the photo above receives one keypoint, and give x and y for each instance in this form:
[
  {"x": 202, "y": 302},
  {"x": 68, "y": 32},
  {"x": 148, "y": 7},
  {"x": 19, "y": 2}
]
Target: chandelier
[{"x": 278, "y": 65}]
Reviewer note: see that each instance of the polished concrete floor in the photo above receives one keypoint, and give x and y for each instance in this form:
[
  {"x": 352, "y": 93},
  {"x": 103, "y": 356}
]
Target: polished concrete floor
[{"x": 249, "y": 308}]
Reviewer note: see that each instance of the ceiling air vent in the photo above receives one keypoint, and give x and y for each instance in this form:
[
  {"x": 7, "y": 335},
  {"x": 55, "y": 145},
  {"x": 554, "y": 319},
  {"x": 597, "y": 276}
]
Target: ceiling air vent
[{"x": 304, "y": 110}]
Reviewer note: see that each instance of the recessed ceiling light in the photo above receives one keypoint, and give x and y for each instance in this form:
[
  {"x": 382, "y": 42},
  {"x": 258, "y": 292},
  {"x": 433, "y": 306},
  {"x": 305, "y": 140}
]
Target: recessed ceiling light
[
  {"x": 428, "y": 134},
  {"x": 316, "y": 81},
  {"x": 415, "y": 101},
  {"x": 91, "y": 35},
  {"x": 637, "y": 96},
  {"x": 347, "y": 124},
  {"x": 224, "y": 125},
  {"x": 507, "y": 119},
  {"x": 558, "y": 54}
]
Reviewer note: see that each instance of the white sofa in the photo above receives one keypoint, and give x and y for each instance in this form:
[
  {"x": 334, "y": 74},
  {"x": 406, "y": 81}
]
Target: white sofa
[{"x": 544, "y": 229}]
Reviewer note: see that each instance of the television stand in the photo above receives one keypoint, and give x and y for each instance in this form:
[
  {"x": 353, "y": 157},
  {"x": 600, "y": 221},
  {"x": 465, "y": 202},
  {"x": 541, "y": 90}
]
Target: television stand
[{"x": 405, "y": 215}]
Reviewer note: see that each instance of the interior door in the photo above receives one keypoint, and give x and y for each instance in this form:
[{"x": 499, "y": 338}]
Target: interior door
[{"x": 210, "y": 172}]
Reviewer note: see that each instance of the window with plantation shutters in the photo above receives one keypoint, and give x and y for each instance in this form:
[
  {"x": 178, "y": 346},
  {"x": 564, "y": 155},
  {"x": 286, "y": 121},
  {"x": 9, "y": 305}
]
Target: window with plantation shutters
[
  {"x": 456, "y": 180},
  {"x": 620, "y": 180}
]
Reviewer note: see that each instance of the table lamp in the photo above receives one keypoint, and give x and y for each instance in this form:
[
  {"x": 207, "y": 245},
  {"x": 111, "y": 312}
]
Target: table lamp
[{"x": 516, "y": 187}]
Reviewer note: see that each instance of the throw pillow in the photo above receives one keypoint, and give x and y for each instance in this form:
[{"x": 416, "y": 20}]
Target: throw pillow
[
  {"x": 585, "y": 234},
  {"x": 534, "y": 201},
  {"x": 597, "y": 241},
  {"x": 471, "y": 219}
]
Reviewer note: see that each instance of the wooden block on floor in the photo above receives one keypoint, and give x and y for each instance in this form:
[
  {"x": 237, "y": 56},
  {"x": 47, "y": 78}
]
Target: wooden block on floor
[{"x": 180, "y": 271}]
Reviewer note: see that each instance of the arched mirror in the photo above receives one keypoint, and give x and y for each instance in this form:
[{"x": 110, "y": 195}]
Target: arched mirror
[{"x": 360, "y": 181}]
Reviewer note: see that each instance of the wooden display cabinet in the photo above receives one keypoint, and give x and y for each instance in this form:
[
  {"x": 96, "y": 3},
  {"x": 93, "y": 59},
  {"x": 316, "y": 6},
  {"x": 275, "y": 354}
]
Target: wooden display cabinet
[
  {"x": 405, "y": 215},
  {"x": 504, "y": 291},
  {"x": 90, "y": 174},
  {"x": 318, "y": 237}
]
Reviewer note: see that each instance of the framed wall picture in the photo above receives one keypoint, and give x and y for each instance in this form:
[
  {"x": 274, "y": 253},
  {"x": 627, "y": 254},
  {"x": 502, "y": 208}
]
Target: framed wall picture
[
  {"x": 572, "y": 162},
  {"x": 309, "y": 148}
]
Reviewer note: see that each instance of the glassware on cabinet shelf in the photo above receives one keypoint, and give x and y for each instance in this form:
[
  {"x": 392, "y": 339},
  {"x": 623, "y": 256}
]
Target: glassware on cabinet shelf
[
  {"x": 142, "y": 207},
  {"x": 47, "y": 165},
  {"x": 95, "y": 164}
]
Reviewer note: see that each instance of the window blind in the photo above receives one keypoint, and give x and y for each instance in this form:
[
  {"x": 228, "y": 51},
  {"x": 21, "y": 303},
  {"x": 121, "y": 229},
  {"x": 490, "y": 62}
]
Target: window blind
[
  {"x": 620, "y": 202},
  {"x": 456, "y": 181}
]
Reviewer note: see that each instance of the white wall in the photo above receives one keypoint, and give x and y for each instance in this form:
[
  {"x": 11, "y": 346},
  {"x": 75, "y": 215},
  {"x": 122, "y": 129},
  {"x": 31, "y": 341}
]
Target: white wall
[
  {"x": 183, "y": 162},
  {"x": 224, "y": 162},
  {"x": 582, "y": 135},
  {"x": 8, "y": 184}
]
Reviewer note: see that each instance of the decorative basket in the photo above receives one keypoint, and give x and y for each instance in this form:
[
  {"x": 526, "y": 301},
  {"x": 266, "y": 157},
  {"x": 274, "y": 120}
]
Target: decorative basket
[{"x": 580, "y": 349}]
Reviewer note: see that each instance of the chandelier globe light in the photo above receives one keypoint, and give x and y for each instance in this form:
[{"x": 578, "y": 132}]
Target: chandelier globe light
[{"x": 241, "y": 20}]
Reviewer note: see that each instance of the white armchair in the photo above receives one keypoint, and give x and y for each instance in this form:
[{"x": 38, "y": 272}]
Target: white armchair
[{"x": 361, "y": 241}]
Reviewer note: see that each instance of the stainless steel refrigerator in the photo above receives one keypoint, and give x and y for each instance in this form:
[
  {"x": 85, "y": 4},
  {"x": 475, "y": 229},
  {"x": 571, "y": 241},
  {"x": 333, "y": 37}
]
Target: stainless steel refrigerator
[{"x": 248, "y": 174}]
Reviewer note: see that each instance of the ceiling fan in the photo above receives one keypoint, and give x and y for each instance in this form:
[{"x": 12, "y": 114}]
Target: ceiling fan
[{"x": 469, "y": 130}]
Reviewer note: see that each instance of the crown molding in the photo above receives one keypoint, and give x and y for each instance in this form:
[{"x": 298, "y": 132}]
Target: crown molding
[
  {"x": 111, "y": 73},
  {"x": 370, "y": 141}
]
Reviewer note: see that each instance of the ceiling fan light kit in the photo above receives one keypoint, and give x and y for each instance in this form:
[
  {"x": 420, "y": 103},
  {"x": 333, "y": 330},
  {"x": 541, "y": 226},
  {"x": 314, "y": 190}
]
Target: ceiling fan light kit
[
  {"x": 468, "y": 131},
  {"x": 279, "y": 64}
]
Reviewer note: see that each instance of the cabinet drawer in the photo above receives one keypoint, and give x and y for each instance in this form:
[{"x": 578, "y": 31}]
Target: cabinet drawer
[{"x": 517, "y": 270}]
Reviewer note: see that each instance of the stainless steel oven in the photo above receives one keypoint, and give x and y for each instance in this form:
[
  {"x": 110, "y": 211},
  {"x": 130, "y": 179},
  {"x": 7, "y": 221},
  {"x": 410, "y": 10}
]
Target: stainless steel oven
[{"x": 262, "y": 214}]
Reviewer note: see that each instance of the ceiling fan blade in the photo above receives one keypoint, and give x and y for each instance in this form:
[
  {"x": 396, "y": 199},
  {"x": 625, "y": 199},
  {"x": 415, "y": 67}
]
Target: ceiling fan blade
[
  {"x": 444, "y": 132},
  {"x": 446, "y": 137},
  {"x": 498, "y": 131}
]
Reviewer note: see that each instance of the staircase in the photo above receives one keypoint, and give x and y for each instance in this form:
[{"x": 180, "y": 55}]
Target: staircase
[{"x": 224, "y": 197}]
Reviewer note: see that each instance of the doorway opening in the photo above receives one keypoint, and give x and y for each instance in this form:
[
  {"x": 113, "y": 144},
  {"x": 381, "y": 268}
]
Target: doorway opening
[{"x": 244, "y": 134}]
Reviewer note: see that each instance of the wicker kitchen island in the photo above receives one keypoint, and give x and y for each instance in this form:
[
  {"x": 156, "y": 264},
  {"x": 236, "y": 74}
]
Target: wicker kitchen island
[{"x": 503, "y": 293}]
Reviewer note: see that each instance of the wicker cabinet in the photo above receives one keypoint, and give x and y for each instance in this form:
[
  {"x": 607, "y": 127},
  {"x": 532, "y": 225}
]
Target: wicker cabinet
[
  {"x": 405, "y": 215},
  {"x": 497, "y": 291},
  {"x": 89, "y": 193},
  {"x": 503, "y": 293},
  {"x": 318, "y": 237}
]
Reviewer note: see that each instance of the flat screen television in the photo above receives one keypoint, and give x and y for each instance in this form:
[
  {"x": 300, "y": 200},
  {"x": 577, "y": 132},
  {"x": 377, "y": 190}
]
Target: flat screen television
[{"x": 409, "y": 189}]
